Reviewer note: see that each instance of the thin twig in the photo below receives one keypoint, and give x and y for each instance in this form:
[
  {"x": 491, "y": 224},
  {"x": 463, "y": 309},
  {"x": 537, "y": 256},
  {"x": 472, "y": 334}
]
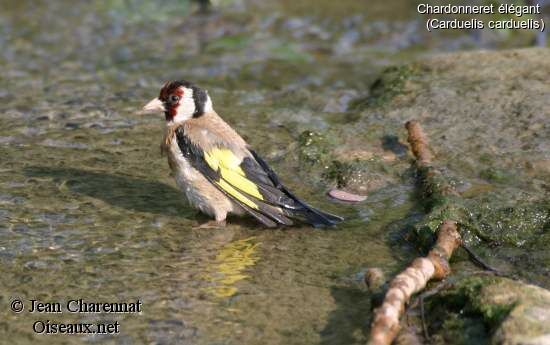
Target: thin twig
[
  {"x": 478, "y": 260},
  {"x": 490, "y": 269},
  {"x": 423, "y": 317}
]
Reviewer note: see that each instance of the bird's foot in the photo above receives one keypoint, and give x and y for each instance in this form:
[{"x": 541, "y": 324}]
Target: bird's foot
[{"x": 212, "y": 224}]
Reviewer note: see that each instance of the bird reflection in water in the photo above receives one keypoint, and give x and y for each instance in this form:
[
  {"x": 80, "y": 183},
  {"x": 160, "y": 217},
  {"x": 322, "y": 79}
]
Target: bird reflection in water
[{"x": 230, "y": 266}]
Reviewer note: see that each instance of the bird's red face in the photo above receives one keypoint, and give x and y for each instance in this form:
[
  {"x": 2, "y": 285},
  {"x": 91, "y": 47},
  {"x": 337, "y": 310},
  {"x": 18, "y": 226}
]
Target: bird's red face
[
  {"x": 179, "y": 100},
  {"x": 171, "y": 96}
]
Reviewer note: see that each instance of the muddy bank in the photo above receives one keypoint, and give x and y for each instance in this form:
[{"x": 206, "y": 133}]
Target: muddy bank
[{"x": 487, "y": 117}]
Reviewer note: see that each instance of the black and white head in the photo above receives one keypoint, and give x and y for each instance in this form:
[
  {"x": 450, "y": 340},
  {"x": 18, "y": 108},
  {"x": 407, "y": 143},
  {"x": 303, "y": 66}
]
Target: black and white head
[{"x": 180, "y": 100}]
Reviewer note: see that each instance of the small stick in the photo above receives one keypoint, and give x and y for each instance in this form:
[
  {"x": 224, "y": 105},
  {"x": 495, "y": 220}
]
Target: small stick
[
  {"x": 419, "y": 143},
  {"x": 423, "y": 317},
  {"x": 412, "y": 280},
  {"x": 435, "y": 265}
]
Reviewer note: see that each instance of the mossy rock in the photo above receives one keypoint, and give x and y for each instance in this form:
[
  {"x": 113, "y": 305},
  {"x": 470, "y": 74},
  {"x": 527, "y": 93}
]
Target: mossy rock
[
  {"x": 392, "y": 82},
  {"x": 479, "y": 308},
  {"x": 341, "y": 172},
  {"x": 516, "y": 225},
  {"x": 314, "y": 147}
]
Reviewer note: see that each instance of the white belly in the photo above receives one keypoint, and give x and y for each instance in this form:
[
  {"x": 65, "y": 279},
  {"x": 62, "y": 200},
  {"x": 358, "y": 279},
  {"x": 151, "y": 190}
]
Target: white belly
[{"x": 199, "y": 191}]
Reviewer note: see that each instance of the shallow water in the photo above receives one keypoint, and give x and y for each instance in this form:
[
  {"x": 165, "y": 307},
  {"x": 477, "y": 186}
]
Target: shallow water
[{"x": 88, "y": 209}]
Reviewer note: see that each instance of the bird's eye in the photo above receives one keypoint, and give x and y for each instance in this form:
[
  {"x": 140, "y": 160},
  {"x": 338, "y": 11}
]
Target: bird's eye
[{"x": 174, "y": 98}]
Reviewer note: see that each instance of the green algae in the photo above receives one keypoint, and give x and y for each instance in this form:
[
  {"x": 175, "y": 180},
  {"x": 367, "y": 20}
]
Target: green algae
[
  {"x": 496, "y": 175},
  {"x": 471, "y": 290},
  {"x": 426, "y": 230},
  {"x": 391, "y": 83},
  {"x": 314, "y": 147},
  {"x": 341, "y": 172},
  {"x": 458, "y": 314},
  {"x": 487, "y": 309},
  {"x": 486, "y": 219},
  {"x": 519, "y": 225}
]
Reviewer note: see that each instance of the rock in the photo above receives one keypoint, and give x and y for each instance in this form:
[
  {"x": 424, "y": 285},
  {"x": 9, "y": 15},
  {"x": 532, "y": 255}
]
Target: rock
[
  {"x": 541, "y": 167},
  {"x": 374, "y": 278},
  {"x": 528, "y": 322},
  {"x": 511, "y": 311},
  {"x": 339, "y": 103}
]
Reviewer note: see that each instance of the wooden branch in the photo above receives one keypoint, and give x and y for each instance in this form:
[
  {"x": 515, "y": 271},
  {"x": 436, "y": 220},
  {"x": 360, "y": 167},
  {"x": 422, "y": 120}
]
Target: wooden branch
[
  {"x": 419, "y": 143},
  {"x": 412, "y": 280},
  {"x": 435, "y": 265}
]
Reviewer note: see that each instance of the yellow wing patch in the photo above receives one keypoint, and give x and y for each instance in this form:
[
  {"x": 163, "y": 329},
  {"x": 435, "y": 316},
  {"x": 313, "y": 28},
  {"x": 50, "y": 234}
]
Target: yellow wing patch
[{"x": 224, "y": 161}]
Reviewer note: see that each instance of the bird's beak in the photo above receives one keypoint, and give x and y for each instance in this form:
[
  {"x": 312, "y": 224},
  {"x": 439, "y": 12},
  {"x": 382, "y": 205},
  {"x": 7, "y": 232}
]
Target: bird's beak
[{"x": 154, "y": 106}]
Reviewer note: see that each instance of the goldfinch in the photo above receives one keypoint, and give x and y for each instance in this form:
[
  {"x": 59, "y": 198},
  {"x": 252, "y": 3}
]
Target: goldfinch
[{"x": 217, "y": 170}]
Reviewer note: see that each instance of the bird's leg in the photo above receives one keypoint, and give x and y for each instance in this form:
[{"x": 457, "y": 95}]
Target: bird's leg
[
  {"x": 212, "y": 224},
  {"x": 219, "y": 222}
]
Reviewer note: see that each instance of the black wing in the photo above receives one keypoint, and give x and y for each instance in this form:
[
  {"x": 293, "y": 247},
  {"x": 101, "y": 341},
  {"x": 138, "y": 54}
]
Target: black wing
[{"x": 252, "y": 184}]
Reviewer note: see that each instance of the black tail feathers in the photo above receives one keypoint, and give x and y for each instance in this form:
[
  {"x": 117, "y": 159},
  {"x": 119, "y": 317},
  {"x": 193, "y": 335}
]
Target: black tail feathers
[
  {"x": 301, "y": 210},
  {"x": 314, "y": 216}
]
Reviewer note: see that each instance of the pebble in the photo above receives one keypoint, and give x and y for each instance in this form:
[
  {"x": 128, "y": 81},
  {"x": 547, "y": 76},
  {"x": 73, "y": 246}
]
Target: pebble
[
  {"x": 374, "y": 278},
  {"x": 346, "y": 196}
]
